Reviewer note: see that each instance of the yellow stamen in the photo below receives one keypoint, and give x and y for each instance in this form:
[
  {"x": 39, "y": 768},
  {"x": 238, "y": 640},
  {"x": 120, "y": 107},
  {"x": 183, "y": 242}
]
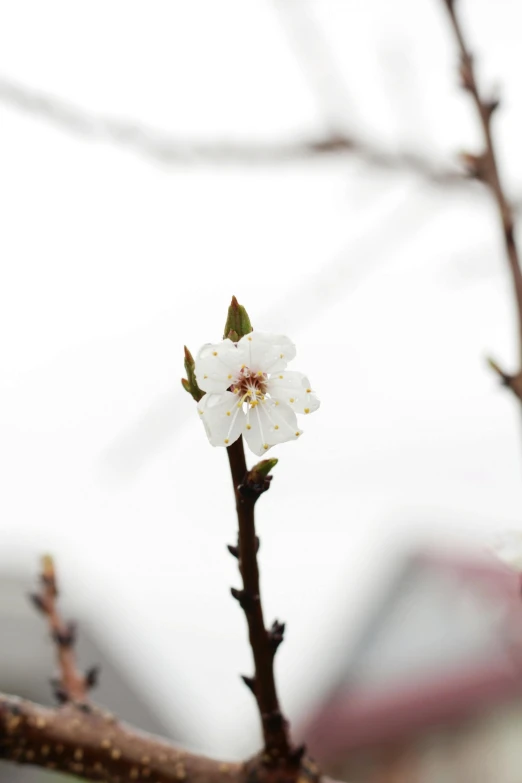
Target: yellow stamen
[
  {"x": 226, "y": 440},
  {"x": 292, "y": 399},
  {"x": 307, "y": 410},
  {"x": 276, "y": 426},
  {"x": 265, "y": 446},
  {"x": 308, "y": 391},
  {"x": 228, "y": 413},
  {"x": 214, "y": 353},
  {"x": 249, "y": 426}
]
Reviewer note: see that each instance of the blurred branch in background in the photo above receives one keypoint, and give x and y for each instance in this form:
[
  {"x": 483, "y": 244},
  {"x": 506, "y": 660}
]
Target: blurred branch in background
[
  {"x": 71, "y": 685},
  {"x": 484, "y": 167},
  {"x": 171, "y": 151}
]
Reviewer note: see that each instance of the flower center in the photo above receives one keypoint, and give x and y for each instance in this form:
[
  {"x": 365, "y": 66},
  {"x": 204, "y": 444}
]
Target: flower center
[{"x": 250, "y": 386}]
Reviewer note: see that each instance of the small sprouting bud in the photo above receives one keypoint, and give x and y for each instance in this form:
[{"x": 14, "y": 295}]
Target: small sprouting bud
[
  {"x": 250, "y": 682},
  {"x": 59, "y": 692},
  {"x": 475, "y": 165},
  {"x": 48, "y": 574},
  {"x": 491, "y": 106},
  {"x": 237, "y": 594},
  {"x": 92, "y": 676},
  {"x": 66, "y": 637},
  {"x": 38, "y": 602},
  {"x": 238, "y": 323},
  {"x": 263, "y": 468},
  {"x": 257, "y": 480},
  {"x": 189, "y": 383},
  {"x": 276, "y": 634}
]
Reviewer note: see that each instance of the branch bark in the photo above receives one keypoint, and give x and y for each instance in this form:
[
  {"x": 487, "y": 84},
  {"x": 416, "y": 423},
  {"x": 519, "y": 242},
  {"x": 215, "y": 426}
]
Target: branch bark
[
  {"x": 91, "y": 744},
  {"x": 484, "y": 167},
  {"x": 263, "y": 642}
]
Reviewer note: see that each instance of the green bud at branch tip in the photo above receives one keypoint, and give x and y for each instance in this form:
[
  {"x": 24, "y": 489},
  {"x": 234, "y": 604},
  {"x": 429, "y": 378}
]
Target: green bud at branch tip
[{"x": 238, "y": 323}]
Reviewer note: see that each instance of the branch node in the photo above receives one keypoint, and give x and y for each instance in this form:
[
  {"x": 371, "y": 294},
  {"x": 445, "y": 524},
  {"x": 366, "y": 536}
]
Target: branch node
[
  {"x": 65, "y": 636},
  {"x": 247, "y": 601},
  {"x": 276, "y": 634},
  {"x": 92, "y": 676}
]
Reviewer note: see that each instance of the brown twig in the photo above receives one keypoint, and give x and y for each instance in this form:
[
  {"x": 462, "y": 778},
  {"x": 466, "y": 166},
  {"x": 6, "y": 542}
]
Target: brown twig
[
  {"x": 484, "y": 167},
  {"x": 71, "y": 685},
  {"x": 93, "y": 745},
  {"x": 264, "y": 642}
]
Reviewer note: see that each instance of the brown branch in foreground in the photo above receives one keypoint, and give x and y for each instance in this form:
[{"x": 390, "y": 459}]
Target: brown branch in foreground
[
  {"x": 71, "y": 685},
  {"x": 264, "y": 642},
  {"x": 93, "y": 745},
  {"x": 485, "y": 168}
]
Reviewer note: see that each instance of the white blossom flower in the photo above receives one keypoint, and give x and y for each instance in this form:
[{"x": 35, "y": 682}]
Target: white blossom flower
[
  {"x": 250, "y": 392},
  {"x": 508, "y": 548}
]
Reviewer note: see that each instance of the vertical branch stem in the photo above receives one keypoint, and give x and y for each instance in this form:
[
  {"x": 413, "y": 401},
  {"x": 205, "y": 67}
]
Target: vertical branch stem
[
  {"x": 275, "y": 727},
  {"x": 489, "y": 171}
]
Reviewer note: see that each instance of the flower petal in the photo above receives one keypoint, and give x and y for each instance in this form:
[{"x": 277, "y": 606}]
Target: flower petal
[
  {"x": 265, "y": 352},
  {"x": 217, "y": 365},
  {"x": 223, "y": 418},
  {"x": 269, "y": 423},
  {"x": 293, "y": 388},
  {"x": 508, "y": 548}
]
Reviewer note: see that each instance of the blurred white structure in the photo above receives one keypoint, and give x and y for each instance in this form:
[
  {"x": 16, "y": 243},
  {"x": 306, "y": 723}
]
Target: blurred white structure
[{"x": 433, "y": 689}]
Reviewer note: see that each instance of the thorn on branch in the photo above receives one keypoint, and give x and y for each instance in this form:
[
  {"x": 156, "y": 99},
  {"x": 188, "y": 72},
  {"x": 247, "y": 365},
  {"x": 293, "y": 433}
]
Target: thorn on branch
[
  {"x": 513, "y": 382},
  {"x": 250, "y": 682},
  {"x": 234, "y": 550},
  {"x": 296, "y": 754}
]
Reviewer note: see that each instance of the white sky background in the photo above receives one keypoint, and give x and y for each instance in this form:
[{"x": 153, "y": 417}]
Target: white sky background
[{"x": 393, "y": 290}]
